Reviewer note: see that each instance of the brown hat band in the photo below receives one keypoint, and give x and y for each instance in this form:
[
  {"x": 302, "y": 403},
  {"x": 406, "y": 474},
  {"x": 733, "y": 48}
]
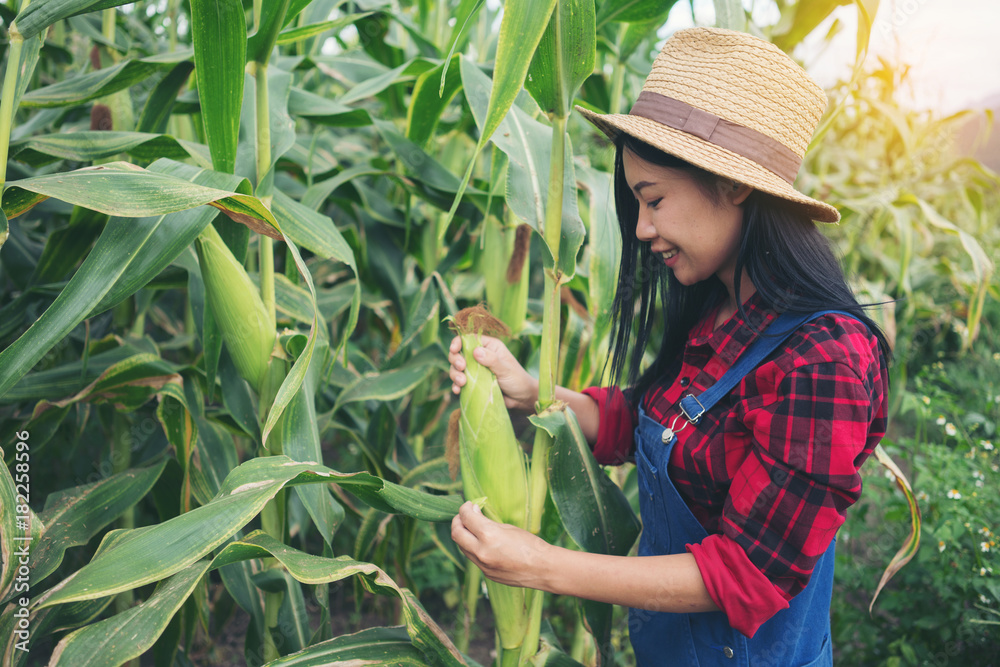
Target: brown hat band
[{"x": 751, "y": 144}]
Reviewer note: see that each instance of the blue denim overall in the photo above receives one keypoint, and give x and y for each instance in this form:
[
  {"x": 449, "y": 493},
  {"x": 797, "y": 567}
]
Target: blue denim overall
[{"x": 798, "y": 636}]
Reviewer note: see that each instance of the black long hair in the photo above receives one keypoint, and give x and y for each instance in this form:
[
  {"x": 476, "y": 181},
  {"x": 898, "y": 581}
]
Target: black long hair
[{"x": 787, "y": 258}]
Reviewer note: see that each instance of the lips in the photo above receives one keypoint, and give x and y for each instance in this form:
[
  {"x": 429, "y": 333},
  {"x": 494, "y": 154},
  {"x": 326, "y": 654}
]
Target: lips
[{"x": 670, "y": 257}]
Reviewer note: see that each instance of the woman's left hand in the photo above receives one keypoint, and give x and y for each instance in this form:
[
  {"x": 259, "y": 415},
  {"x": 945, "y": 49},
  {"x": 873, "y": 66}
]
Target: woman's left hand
[{"x": 506, "y": 554}]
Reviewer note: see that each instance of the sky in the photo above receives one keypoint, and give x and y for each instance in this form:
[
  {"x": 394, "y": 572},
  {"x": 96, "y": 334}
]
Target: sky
[{"x": 952, "y": 46}]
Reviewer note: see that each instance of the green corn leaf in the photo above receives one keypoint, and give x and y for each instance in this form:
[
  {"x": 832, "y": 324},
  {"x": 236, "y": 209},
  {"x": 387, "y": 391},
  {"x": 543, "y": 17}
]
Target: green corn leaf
[
  {"x": 390, "y": 385},
  {"x": 628, "y": 11},
  {"x": 310, "y": 569},
  {"x": 130, "y": 253},
  {"x": 319, "y": 109},
  {"x": 564, "y": 58},
  {"x": 179, "y": 426},
  {"x": 528, "y": 144},
  {"x": 68, "y": 378},
  {"x": 30, "y": 50},
  {"x": 293, "y": 617},
  {"x": 127, "y": 385},
  {"x": 123, "y": 189},
  {"x": 639, "y": 32},
  {"x": 982, "y": 265},
  {"x": 867, "y": 9},
  {"x": 604, "y": 253},
  {"x": 214, "y": 457},
  {"x": 39, "y": 15},
  {"x": 20, "y": 528},
  {"x": 290, "y": 299},
  {"x": 93, "y": 85},
  {"x": 386, "y": 647},
  {"x": 129, "y": 634},
  {"x": 376, "y": 84},
  {"x": 67, "y": 245},
  {"x": 730, "y": 14},
  {"x": 219, "y": 33},
  {"x": 594, "y": 512},
  {"x": 160, "y": 102},
  {"x": 295, "y": 7},
  {"x": 237, "y": 398},
  {"x": 171, "y": 236},
  {"x": 89, "y": 26},
  {"x": 521, "y": 29},
  {"x": 522, "y": 26},
  {"x": 301, "y": 442},
  {"x": 90, "y": 146},
  {"x": 261, "y": 43},
  {"x": 311, "y": 230},
  {"x": 432, "y": 92},
  {"x": 145, "y": 555},
  {"x": 292, "y": 35},
  {"x": 43, "y": 622}
]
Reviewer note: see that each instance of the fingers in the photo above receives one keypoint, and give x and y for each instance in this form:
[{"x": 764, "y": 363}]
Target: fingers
[
  {"x": 463, "y": 527},
  {"x": 488, "y": 354},
  {"x": 457, "y": 362}
]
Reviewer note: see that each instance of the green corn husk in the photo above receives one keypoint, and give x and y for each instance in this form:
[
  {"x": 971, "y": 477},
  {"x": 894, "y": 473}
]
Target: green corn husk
[
  {"x": 493, "y": 465},
  {"x": 247, "y": 327},
  {"x": 506, "y": 265}
]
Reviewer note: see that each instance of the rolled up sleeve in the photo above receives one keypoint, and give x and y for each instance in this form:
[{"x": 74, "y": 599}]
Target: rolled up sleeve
[{"x": 616, "y": 431}]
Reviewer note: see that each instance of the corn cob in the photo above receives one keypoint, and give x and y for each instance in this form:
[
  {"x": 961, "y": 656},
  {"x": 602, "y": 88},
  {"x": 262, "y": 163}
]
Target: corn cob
[
  {"x": 248, "y": 329},
  {"x": 505, "y": 268},
  {"x": 492, "y": 465}
]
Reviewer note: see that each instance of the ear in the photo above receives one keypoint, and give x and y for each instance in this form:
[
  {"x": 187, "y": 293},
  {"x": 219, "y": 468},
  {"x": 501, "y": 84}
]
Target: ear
[{"x": 739, "y": 193}]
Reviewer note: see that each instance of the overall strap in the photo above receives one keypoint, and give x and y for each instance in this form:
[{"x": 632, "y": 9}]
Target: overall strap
[{"x": 694, "y": 407}]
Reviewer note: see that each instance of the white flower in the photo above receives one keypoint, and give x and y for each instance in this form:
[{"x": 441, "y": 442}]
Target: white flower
[
  {"x": 984, "y": 531},
  {"x": 922, "y": 495},
  {"x": 950, "y": 429},
  {"x": 926, "y": 400},
  {"x": 986, "y": 444},
  {"x": 940, "y": 420},
  {"x": 954, "y": 494},
  {"x": 984, "y": 599},
  {"x": 984, "y": 547},
  {"x": 996, "y": 356},
  {"x": 978, "y": 475},
  {"x": 979, "y": 483},
  {"x": 982, "y": 572},
  {"x": 941, "y": 545},
  {"x": 889, "y": 475}
]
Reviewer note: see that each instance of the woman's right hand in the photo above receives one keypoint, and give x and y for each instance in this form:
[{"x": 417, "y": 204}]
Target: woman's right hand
[{"x": 520, "y": 390}]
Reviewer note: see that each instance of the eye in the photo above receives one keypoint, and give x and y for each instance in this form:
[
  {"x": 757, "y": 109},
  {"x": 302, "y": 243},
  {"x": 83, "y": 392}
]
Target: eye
[{"x": 654, "y": 203}]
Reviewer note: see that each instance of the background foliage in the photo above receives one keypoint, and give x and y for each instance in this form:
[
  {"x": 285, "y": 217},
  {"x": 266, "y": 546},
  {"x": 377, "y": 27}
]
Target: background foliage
[{"x": 342, "y": 131}]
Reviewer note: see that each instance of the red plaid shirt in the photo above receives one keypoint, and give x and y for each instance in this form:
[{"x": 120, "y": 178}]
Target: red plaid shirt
[{"x": 772, "y": 468}]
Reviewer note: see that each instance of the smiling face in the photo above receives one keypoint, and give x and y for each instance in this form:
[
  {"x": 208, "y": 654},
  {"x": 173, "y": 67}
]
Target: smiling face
[{"x": 696, "y": 236}]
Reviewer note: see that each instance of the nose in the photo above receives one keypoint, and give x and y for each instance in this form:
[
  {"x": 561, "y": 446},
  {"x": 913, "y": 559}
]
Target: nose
[{"x": 644, "y": 230}]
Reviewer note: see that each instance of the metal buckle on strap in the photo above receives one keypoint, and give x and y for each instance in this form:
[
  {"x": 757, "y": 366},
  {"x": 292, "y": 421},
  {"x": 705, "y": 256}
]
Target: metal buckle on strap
[{"x": 693, "y": 418}]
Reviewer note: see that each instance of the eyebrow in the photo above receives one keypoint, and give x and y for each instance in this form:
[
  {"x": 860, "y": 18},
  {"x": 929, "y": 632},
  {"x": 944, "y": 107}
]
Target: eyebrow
[{"x": 640, "y": 185}]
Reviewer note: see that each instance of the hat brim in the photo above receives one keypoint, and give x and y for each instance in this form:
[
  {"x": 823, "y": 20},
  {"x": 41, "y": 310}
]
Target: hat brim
[{"x": 711, "y": 158}]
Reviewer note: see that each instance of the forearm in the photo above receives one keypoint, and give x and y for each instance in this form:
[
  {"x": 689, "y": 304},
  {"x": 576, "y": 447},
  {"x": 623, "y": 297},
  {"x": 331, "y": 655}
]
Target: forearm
[
  {"x": 658, "y": 583},
  {"x": 586, "y": 410}
]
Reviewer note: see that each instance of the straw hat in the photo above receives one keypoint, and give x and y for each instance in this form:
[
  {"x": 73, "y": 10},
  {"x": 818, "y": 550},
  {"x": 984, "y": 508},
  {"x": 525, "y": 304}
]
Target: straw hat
[{"x": 732, "y": 104}]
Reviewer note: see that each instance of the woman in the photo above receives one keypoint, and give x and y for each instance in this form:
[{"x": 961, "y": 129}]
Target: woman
[{"x": 739, "y": 505}]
